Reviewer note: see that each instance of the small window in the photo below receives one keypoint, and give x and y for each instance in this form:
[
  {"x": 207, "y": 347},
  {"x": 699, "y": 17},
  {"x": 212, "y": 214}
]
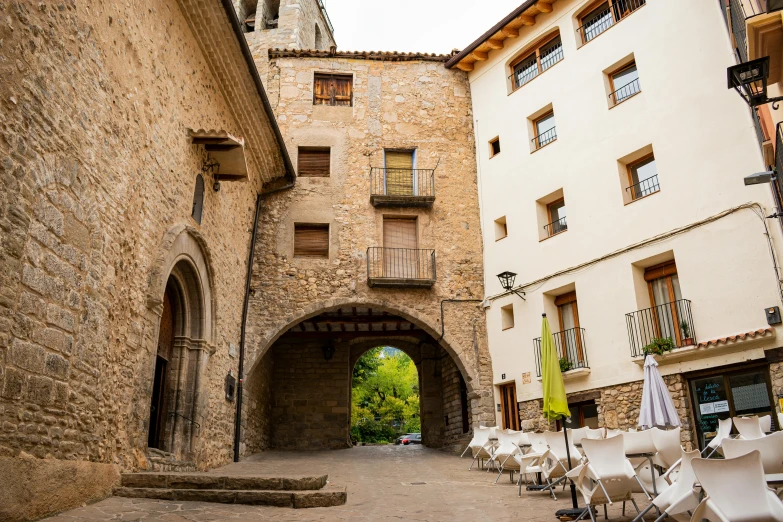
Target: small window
[
  {"x": 668, "y": 308},
  {"x": 198, "y": 199},
  {"x": 314, "y": 162},
  {"x": 544, "y": 56},
  {"x": 333, "y": 89},
  {"x": 501, "y": 229},
  {"x": 545, "y": 130},
  {"x": 642, "y": 178},
  {"x": 494, "y": 147},
  {"x": 603, "y": 15},
  {"x": 624, "y": 83},
  {"x": 507, "y": 316},
  {"x": 557, "y": 218},
  {"x": 311, "y": 240}
]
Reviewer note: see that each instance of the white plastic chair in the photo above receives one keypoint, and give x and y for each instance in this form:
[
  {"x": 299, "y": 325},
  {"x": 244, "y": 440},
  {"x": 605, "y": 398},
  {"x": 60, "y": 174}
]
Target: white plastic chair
[
  {"x": 737, "y": 491},
  {"x": 595, "y": 434},
  {"x": 681, "y": 497},
  {"x": 638, "y": 442},
  {"x": 667, "y": 444},
  {"x": 724, "y": 432},
  {"x": 538, "y": 442},
  {"x": 576, "y": 435},
  {"x": 607, "y": 477},
  {"x": 503, "y": 452},
  {"x": 770, "y": 448},
  {"x": 612, "y": 433},
  {"x": 749, "y": 428},
  {"x": 556, "y": 443},
  {"x": 765, "y": 423},
  {"x": 480, "y": 445}
]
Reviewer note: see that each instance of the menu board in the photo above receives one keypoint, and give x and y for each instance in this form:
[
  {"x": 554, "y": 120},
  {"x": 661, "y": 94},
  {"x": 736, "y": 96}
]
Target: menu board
[{"x": 712, "y": 404}]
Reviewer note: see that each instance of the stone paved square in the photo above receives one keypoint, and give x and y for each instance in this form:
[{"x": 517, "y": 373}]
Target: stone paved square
[{"x": 384, "y": 483}]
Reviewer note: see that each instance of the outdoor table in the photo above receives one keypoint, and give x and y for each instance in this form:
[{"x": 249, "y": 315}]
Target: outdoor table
[
  {"x": 649, "y": 457},
  {"x": 774, "y": 479}
]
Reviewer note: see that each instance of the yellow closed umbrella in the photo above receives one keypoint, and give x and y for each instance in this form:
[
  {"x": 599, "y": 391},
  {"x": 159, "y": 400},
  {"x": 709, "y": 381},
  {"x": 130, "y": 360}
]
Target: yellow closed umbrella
[{"x": 555, "y": 401}]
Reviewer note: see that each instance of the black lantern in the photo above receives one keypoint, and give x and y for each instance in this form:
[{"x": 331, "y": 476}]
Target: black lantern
[
  {"x": 507, "y": 282},
  {"x": 749, "y": 79},
  {"x": 328, "y": 351}
]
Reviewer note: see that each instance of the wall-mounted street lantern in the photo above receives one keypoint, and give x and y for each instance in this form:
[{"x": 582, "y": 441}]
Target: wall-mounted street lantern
[
  {"x": 749, "y": 79},
  {"x": 507, "y": 282},
  {"x": 328, "y": 351}
]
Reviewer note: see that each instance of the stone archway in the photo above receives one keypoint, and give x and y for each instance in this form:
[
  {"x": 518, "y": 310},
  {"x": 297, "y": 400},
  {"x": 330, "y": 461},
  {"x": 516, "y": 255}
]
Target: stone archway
[
  {"x": 298, "y": 388},
  {"x": 181, "y": 300}
]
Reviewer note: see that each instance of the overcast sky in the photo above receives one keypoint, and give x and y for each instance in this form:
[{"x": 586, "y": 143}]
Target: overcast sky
[{"x": 432, "y": 26}]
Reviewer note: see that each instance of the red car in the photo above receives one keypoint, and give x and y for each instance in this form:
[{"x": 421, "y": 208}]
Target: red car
[{"x": 410, "y": 438}]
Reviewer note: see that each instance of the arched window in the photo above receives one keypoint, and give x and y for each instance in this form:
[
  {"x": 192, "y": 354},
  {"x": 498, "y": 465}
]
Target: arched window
[
  {"x": 198, "y": 199},
  {"x": 318, "y": 38}
]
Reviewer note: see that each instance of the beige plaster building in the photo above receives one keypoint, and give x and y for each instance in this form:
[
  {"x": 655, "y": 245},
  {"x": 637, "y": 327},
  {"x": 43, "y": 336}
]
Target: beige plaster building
[{"x": 660, "y": 239}]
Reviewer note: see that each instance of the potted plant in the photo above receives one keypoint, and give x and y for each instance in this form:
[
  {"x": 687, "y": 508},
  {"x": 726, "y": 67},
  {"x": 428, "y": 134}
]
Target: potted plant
[
  {"x": 659, "y": 346},
  {"x": 687, "y": 340},
  {"x": 565, "y": 365}
]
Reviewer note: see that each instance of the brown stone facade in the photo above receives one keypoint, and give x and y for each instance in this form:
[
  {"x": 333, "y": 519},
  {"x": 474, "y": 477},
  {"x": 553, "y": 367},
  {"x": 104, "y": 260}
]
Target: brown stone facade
[
  {"x": 97, "y": 177},
  {"x": 618, "y": 407}
]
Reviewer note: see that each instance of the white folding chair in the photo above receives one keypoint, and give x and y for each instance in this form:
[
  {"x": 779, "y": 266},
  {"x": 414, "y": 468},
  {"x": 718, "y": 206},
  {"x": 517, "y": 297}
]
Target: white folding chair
[
  {"x": 612, "y": 433},
  {"x": 504, "y": 451},
  {"x": 681, "y": 497},
  {"x": 480, "y": 445},
  {"x": 770, "y": 448},
  {"x": 724, "y": 432},
  {"x": 595, "y": 434},
  {"x": 765, "y": 423},
  {"x": 667, "y": 444},
  {"x": 607, "y": 477},
  {"x": 748, "y": 427},
  {"x": 737, "y": 491},
  {"x": 576, "y": 435},
  {"x": 638, "y": 443}
]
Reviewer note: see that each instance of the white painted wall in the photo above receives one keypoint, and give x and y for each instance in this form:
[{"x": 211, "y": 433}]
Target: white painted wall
[{"x": 704, "y": 144}]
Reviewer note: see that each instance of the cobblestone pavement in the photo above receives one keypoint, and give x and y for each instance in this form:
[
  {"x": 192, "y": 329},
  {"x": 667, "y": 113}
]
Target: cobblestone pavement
[{"x": 384, "y": 483}]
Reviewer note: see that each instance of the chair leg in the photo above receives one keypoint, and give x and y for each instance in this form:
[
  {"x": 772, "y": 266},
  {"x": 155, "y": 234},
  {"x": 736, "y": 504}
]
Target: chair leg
[
  {"x": 463, "y": 453},
  {"x": 551, "y": 488},
  {"x": 606, "y": 515},
  {"x": 643, "y": 489},
  {"x": 663, "y": 515},
  {"x": 471, "y": 464},
  {"x": 640, "y": 516},
  {"x": 498, "y": 477},
  {"x": 635, "y": 505},
  {"x": 592, "y": 515},
  {"x": 623, "y": 507},
  {"x": 583, "y": 514}
]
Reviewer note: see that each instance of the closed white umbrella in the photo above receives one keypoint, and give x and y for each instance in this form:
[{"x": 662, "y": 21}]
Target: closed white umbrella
[{"x": 657, "y": 405}]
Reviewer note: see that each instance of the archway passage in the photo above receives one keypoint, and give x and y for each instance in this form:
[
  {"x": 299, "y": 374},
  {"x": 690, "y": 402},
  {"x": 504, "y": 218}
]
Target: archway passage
[{"x": 299, "y": 393}]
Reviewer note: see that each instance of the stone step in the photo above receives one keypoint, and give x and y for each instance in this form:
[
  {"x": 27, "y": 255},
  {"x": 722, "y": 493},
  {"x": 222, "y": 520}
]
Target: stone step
[
  {"x": 326, "y": 497},
  {"x": 219, "y": 481}
]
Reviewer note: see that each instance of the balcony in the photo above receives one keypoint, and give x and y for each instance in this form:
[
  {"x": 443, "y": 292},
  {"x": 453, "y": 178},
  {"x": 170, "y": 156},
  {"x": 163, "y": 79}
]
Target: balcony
[
  {"x": 666, "y": 321},
  {"x": 644, "y": 188},
  {"x": 400, "y": 267},
  {"x": 757, "y": 28},
  {"x": 555, "y": 227},
  {"x": 571, "y": 350},
  {"x": 544, "y": 139},
  {"x": 625, "y": 92},
  {"x": 392, "y": 187},
  {"x": 600, "y": 22}
]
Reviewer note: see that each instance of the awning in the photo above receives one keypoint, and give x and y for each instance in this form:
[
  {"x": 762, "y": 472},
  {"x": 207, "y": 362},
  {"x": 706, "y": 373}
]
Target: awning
[{"x": 226, "y": 150}]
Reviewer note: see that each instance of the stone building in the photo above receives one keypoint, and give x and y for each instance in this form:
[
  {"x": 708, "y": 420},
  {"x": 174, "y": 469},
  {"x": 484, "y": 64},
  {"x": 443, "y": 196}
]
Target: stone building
[
  {"x": 122, "y": 267},
  {"x": 387, "y": 180}
]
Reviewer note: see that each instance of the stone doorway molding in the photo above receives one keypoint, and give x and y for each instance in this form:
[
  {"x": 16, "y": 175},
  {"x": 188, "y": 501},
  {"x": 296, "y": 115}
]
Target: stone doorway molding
[{"x": 182, "y": 268}]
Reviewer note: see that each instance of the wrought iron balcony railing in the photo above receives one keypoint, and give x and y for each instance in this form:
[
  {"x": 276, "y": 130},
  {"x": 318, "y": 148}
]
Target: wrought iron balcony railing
[
  {"x": 665, "y": 321},
  {"x": 644, "y": 188},
  {"x": 523, "y": 75},
  {"x": 625, "y": 92},
  {"x": 545, "y": 138},
  {"x": 400, "y": 267},
  {"x": 402, "y": 187},
  {"x": 607, "y": 18},
  {"x": 555, "y": 227},
  {"x": 738, "y": 29},
  {"x": 570, "y": 345}
]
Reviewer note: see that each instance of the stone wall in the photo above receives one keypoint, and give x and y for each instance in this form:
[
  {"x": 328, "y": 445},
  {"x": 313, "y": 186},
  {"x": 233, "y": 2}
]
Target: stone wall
[
  {"x": 452, "y": 406},
  {"x": 97, "y": 174},
  {"x": 618, "y": 408},
  {"x": 405, "y": 104}
]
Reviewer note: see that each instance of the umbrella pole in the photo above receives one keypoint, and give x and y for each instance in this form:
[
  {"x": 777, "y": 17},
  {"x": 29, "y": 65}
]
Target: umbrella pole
[{"x": 574, "y": 512}]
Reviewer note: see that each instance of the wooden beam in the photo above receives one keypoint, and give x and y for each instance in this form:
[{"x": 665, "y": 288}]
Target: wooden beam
[
  {"x": 527, "y": 19},
  {"x": 495, "y": 44},
  {"x": 418, "y": 334},
  {"x": 544, "y": 7},
  {"x": 465, "y": 66},
  {"x": 480, "y": 55},
  {"x": 510, "y": 32},
  {"x": 377, "y": 319}
]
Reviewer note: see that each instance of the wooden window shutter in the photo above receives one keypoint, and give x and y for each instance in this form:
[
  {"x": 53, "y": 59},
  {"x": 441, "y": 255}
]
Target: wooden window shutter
[
  {"x": 321, "y": 94},
  {"x": 399, "y": 233},
  {"x": 313, "y": 162},
  {"x": 659, "y": 271},
  {"x": 311, "y": 240},
  {"x": 330, "y": 89},
  {"x": 399, "y": 159},
  {"x": 399, "y": 172},
  {"x": 342, "y": 90}
]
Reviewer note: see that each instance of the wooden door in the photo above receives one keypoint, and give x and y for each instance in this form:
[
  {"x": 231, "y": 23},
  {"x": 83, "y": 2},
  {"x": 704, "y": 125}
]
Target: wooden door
[
  {"x": 400, "y": 254},
  {"x": 510, "y": 410},
  {"x": 399, "y": 173},
  {"x": 158, "y": 404}
]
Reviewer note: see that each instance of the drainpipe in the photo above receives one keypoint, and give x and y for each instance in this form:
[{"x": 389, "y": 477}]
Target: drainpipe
[{"x": 245, "y": 306}]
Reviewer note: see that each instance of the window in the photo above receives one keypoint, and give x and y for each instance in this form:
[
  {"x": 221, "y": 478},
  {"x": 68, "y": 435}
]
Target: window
[
  {"x": 544, "y": 127},
  {"x": 501, "y": 229},
  {"x": 583, "y": 415},
  {"x": 311, "y": 240},
  {"x": 314, "y": 162},
  {"x": 570, "y": 332},
  {"x": 198, "y": 199},
  {"x": 333, "y": 89},
  {"x": 494, "y": 147},
  {"x": 272, "y": 13},
  {"x": 557, "y": 218},
  {"x": 668, "y": 310},
  {"x": 603, "y": 15},
  {"x": 318, "y": 38},
  {"x": 400, "y": 249},
  {"x": 544, "y": 56},
  {"x": 507, "y": 316},
  {"x": 624, "y": 83},
  {"x": 642, "y": 178},
  {"x": 400, "y": 174}
]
